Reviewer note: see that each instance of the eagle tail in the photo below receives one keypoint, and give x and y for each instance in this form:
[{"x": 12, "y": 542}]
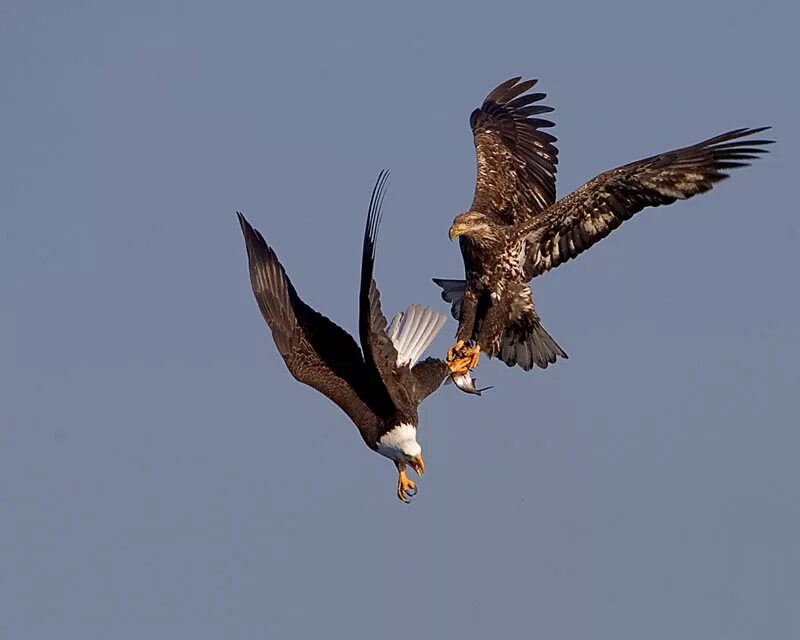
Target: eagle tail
[
  {"x": 412, "y": 331},
  {"x": 526, "y": 343}
]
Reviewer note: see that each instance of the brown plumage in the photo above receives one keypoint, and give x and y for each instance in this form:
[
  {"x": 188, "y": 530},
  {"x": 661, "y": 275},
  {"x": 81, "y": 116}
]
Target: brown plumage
[
  {"x": 515, "y": 231},
  {"x": 378, "y": 386},
  {"x": 516, "y": 159}
]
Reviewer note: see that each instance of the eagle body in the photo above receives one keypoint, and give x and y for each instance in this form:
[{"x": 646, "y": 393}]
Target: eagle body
[
  {"x": 496, "y": 309},
  {"x": 379, "y": 385},
  {"x": 515, "y": 229}
]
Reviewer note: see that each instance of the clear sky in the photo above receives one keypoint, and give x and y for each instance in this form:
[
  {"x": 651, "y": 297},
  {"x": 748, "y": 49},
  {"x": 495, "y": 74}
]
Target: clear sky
[{"x": 162, "y": 476}]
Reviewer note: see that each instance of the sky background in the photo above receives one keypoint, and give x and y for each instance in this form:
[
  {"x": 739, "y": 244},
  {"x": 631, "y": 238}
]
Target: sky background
[{"x": 162, "y": 476}]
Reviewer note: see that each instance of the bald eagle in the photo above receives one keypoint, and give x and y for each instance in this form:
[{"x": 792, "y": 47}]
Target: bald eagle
[
  {"x": 515, "y": 230},
  {"x": 378, "y": 386}
]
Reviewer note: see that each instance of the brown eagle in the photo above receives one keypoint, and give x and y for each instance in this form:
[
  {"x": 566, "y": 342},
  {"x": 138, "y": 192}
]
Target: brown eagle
[
  {"x": 378, "y": 386},
  {"x": 515, "y": 230}
]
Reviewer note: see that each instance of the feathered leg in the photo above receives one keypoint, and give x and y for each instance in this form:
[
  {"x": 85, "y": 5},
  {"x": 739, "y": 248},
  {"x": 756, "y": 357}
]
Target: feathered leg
[{"x": 460, "y": 358}]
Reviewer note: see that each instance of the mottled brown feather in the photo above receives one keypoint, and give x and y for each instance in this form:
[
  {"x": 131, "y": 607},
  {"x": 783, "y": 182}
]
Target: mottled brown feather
[
  {"x": 516, "y": 160},
  {"x": 593, "y": 211}
]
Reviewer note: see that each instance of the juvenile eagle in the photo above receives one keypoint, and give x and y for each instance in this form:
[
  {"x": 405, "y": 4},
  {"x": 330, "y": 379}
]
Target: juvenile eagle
[
  {"x": 378, "y": 386},
  {"x": 515, "y": 230}
]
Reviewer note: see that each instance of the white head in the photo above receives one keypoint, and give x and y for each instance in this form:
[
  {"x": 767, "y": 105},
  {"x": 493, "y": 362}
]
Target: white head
[{"x": 400, "y": 444}]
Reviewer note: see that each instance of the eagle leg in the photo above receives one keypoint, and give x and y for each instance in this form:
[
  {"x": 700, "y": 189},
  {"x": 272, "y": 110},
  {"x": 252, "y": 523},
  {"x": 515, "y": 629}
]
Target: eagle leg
[
  {"x": 460, "y": 360},
  {"x": 406, "y": 489}
]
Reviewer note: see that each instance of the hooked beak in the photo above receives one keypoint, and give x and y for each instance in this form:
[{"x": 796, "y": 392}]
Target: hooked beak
[
  {"x": 458, "y": 230},
  {"x": 418, "y": 465}
]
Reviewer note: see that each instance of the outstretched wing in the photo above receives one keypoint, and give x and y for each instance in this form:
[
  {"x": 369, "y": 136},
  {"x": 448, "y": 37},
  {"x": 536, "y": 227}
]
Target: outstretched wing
[
  {"x": 516, "y": 159},
  {"x": 316, "y": 351},
  {"x": 378, "y": 348},
  {"x": 594, "y": 210}
]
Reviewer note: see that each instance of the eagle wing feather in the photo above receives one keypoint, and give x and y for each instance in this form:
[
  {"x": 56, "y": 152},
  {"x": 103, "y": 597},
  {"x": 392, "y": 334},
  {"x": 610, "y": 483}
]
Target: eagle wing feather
[
  {"x": 428, "y": 377},
  {"x": 316, "y": 350},
  {"x": 594, "y": 210},
  {"x": 516, "y": 160},
  {"x": 395, "y": 349}
]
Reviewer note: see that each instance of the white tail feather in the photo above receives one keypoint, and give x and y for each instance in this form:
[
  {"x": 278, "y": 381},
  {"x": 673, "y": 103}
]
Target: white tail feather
[
  {"x": 400, "y": 322},
  {"x": 421, "y": 338},
  {"x": 408, "y": 334},
  {"x": 412, "y": 331},
  {"x": 394, "y": 325}
]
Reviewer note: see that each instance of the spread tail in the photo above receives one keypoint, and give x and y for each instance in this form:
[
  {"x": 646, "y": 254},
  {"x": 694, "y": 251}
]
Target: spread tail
[{"x": 526, "y": 343}]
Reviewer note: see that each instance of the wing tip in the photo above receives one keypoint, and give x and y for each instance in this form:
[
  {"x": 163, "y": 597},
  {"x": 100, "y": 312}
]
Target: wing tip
[
  {"x": 243, "y": 223},
  {"x": 374, "y": 212},
  {"x": 510, "y": 89}
]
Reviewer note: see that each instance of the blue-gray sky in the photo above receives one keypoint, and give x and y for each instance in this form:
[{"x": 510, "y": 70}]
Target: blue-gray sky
[{"x": 162, "y": 476}]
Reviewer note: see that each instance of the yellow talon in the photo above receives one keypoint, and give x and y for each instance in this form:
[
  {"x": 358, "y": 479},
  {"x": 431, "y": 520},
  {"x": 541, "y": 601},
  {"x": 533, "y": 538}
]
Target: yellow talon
[
  {"x": 459, "y": 367},
  {"x": 406, "y": 489},
  {"x": 454, "y": 351},
  {"x": 474, "y": 355},
  {"x": 461, "y": 361}
]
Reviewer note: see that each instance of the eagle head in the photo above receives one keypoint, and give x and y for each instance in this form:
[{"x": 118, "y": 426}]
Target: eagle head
[
  {"x": 471, "y": 223},
  {"x": 400, "y": 444}
]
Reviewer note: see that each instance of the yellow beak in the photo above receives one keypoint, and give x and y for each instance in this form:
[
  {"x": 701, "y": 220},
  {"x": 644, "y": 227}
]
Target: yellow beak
[
  {"x": 457, "y": 230},
  {"x": 418, "y": 465}
]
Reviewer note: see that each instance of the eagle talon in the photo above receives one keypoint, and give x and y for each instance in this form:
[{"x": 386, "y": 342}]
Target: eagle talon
[
  {"x": 474, "y": 355},
  {"x": 454, "y": 352},
  {"x": 406, "y": 489},
  {"x": 459, "y": 367},
  {"x": 465, "y": 360}
]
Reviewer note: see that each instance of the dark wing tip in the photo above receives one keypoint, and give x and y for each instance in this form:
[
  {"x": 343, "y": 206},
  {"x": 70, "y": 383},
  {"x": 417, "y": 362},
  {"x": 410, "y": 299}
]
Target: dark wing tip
[
  {"x": 261, "y": 257},
  {"x": 755, "y": 130},
  {"x": 735, "y": 149},
  {"x": 736, "y": 134},
  {"x": 247, "y": 229},
  {"x": 509, "y": 90},
  {"x": 371, "y": 234},
  {"x": 374, "y": 214},
  {"x": 501, "y": 89},
  {"x": 252, "y": 237}
]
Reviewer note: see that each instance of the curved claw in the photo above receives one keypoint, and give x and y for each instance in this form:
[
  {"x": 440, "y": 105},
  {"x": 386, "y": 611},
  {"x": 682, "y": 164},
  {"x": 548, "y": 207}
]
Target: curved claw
[
  {"x": 463, "y": 359},
  {"x": 454, "y": 352},
  {"x": 406, "y": 496},
  {"x": 406, "y": 489},
  {"x": 473, "y": 355}
]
